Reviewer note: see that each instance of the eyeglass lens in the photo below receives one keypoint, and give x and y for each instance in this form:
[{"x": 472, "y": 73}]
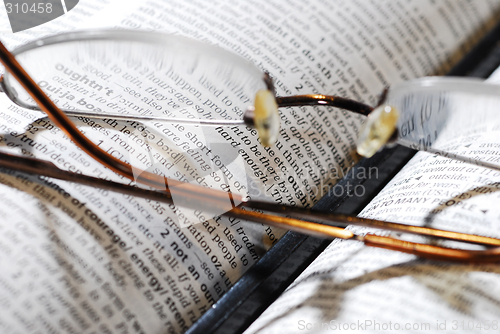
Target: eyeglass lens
[
  {"x": 164, "y": 77},
  {"x": 456, "y": 118}
]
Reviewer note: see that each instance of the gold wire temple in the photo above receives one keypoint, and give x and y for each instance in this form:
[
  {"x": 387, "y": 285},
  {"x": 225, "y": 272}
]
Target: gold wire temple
[{"x": 304, "y": 221}]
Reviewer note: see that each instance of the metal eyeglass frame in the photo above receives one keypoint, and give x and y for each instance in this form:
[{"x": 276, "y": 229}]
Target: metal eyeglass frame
[{"x": 304, "y": 220}]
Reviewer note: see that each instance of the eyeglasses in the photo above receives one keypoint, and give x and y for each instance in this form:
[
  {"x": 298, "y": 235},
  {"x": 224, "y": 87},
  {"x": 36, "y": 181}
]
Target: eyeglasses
[{"x": 137, "y": 77}]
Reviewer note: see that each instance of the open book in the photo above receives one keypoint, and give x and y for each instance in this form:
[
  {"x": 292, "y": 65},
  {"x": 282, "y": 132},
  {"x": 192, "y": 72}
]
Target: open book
[{"x": 77, "y": 259}]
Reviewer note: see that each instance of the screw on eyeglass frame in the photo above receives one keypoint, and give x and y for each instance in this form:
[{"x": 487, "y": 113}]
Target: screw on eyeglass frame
[{"x": 304, "y": 221}]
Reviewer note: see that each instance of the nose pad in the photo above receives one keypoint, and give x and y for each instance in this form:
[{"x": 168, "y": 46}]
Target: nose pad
[
  {"x": 266, "y": 117},
  {"x": 378, "y": 129}
]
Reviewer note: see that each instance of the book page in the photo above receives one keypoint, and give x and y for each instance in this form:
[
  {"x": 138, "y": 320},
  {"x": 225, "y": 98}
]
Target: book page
[
  {"x": 86, "y": 260},
  {"x": 354, "y": 287},
  {"x": 351, "y": 287}
]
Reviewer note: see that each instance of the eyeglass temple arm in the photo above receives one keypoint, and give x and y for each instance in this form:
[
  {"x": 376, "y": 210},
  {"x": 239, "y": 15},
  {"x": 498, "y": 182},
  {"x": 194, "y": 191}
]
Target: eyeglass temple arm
[
  {"x": 423, "y": 250},
  {"x": 345, "y": 220},
  {"x": 329, "y": 229}
]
